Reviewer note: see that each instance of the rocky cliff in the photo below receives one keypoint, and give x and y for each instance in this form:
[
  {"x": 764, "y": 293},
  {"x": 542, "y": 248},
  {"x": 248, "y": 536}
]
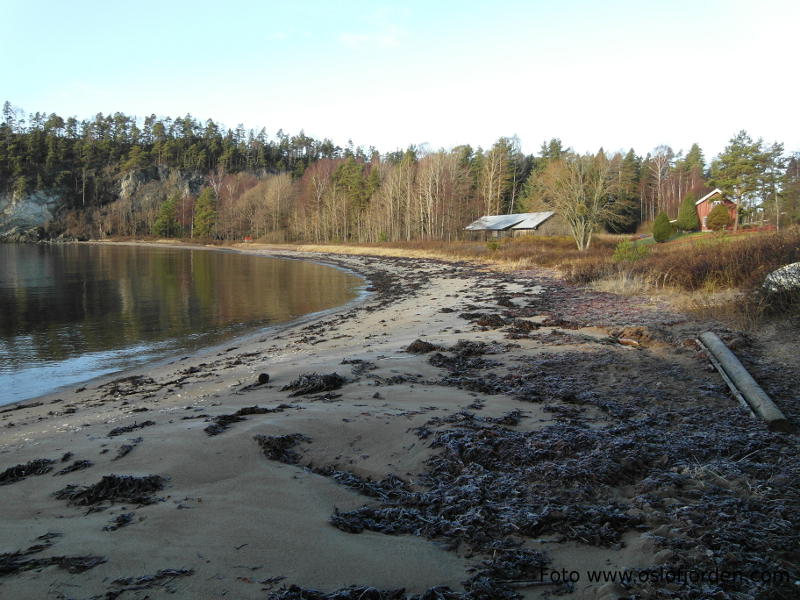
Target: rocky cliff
[
  {"x": 38, "y": 216},
  {"x": 23, "y": 218}
]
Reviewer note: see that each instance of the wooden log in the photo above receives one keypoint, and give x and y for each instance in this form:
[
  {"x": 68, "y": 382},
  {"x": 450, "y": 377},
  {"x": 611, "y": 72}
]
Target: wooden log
[
  {"x": 732, "y": 386},
  {"x": 761, "y": 404}
]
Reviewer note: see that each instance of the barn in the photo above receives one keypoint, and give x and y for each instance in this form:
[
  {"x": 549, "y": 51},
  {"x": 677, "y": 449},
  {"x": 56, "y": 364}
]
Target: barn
[
  {"x": 708, "y": 202},
  {"x": 542, "y": 223}
]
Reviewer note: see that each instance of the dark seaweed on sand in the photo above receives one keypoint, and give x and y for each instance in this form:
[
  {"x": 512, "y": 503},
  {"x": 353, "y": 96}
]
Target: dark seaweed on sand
[
  {"x": 126, "y": 449},
  {"x": 222, "y": 422},
  {"x": 421, "y": 347},
  {"x": 114, "y": 488},
  {"x": 280, "y": 447},
  {"x": 15, "y": 562},
  {"x": 128, "y": 428},
  {"x": 147, "y": 580},
  {"x": 38, "y": 466},
  {"x": 160, "y": 579},
  {"x": 312, "y": 383},
  {"x": 120, "y": 521},
  {"x": 77, "y": 465},
  {"x": 480, "y": 587}
]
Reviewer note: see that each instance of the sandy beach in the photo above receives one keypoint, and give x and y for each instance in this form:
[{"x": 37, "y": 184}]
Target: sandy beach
[{"x": 486, "y": 434}]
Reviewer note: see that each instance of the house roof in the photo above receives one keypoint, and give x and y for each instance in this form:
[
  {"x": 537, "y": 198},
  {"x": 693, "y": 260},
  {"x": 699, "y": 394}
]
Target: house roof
[
  {"x": 708, "y": 195},
  {"x": 503, "y": 222}
]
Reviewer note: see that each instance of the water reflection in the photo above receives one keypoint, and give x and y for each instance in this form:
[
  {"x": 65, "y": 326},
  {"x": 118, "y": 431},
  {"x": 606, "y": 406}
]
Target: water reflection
[{"x": 62, "y": 305}]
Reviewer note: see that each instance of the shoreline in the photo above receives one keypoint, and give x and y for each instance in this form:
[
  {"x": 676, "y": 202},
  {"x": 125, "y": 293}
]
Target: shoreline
[
  {"x": 238, "y": 339},
  {"x": 520, "y": 435}
]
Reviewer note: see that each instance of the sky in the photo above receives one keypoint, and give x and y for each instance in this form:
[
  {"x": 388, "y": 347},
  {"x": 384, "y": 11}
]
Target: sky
[{"x": 616, "y": 74}]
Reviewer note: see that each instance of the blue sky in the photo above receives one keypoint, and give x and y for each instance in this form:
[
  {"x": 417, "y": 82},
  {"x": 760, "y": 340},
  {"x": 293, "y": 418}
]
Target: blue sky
[{"x": 616, "y": 74}]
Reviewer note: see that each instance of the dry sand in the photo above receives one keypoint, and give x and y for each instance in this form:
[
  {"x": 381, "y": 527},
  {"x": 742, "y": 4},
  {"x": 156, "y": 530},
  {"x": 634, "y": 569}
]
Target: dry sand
[{"x": 230, "y": 522}]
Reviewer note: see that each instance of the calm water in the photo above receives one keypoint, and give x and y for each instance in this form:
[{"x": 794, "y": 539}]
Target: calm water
[{"x": 69, "y": 313}]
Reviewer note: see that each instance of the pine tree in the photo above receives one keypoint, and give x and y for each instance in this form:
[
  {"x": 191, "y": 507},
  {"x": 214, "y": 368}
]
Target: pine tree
[
  {"x": 205, "y": 214},
  {"x": 687, "y": 214},
  {"x": 737, "y": 171},
  {"x": 166, "y": 224}
]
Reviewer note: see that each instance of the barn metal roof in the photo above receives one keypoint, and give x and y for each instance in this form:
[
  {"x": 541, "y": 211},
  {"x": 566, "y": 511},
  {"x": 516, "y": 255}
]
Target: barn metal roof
[
  {"x": 502, "y": 222},
  {"x": 495, "y": 222},
  {"x": 533, "y": 220}
]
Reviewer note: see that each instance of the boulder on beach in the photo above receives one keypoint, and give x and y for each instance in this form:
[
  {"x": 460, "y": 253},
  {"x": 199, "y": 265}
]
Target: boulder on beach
[{"x": 784, "y": 279}]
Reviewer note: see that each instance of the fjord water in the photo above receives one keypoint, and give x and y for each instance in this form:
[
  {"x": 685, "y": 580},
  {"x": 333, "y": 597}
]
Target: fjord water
[{"x": 69, "y": 313}]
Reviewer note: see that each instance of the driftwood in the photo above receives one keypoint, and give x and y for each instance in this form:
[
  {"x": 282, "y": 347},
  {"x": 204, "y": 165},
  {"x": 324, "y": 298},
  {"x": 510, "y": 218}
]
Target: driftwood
[{"x": 742, "y": 383}]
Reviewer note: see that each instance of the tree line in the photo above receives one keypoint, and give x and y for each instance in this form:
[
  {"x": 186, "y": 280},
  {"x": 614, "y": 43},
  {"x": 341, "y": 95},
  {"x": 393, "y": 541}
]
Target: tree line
[{"x": 298, "y": 188}]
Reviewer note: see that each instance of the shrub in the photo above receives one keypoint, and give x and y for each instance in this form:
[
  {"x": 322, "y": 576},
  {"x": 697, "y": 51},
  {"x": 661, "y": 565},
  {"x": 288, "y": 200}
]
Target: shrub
[
  {"x": 662, "y": 228},
  {"x": 586, "y": 270},
  {"x": 687, "y": 214},
  {"x": 739, "y": 262},
  {"x": 718, "y": 219},
  {"x": 627, "y": 251}
]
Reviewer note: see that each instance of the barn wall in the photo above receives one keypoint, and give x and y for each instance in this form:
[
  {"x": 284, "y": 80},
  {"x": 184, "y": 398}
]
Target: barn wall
[
  {"x": 555, "y": 225},
  {"x": 704, "y": 208}
]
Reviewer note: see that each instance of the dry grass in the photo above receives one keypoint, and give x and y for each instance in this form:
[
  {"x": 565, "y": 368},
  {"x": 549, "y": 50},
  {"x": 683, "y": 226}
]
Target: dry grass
[{"x": 721, "y": 262}]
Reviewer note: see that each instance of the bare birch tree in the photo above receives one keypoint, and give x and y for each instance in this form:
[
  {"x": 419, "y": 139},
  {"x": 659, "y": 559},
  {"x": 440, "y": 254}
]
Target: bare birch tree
[{"x": 578, "y": 187}]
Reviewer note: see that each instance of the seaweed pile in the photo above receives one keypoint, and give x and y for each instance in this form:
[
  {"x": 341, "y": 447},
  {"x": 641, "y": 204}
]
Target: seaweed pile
[
  {"x": 419, "y": 346},
  {"x": 161, "y": 579},
  {"x": 127, "y": 429},
  {"x": 37, "y": 466},
  {"x": 15, "y": 562},
  {"x": 280, "y": 447},
  {"x": 478, "y": 591},
  {"x": 77, "y": 465},
  {"x": 485, "y": 320},
  {"x": 312, "y": 383},
  {"x": 128, "y": 386},
  {"x": 222, "y": 422},
  {"x": 126, "y": 449},
  {"x": 696, "y": 470},
  {"x": 114, "y": 488}
]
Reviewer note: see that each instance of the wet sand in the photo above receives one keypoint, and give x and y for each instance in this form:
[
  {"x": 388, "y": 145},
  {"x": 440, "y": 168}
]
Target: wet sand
[{"x": 486, "y": 430}]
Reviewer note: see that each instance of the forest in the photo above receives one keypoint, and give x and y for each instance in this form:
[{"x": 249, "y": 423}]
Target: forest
[{"x": 116, "y": 175}]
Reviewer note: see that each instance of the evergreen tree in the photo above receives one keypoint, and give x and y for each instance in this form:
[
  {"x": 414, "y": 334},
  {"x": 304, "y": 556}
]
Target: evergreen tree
[
  {"x": 687, "y": 214},
  {"x": 694, "y": 159},
  {"x": 137, "y": 159},
  {"x": 738, "y": 171},
  {"x": 205, "y": 214},
  {"x": 718, "y": 218},
  {"x": 166, "y": 224},
  {"x": 662, "y": 228},
  {"x": 790, "y": 197},
  {"x": 626, "y": 190}
]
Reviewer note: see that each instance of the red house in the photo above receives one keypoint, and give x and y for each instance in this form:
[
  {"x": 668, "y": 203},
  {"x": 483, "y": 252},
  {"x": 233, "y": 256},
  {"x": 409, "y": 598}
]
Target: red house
[{"x": 708, "y": 202}]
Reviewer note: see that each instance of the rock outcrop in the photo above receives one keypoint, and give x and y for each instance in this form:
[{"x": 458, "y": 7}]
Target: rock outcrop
[{"x": 23, "y": 218}]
